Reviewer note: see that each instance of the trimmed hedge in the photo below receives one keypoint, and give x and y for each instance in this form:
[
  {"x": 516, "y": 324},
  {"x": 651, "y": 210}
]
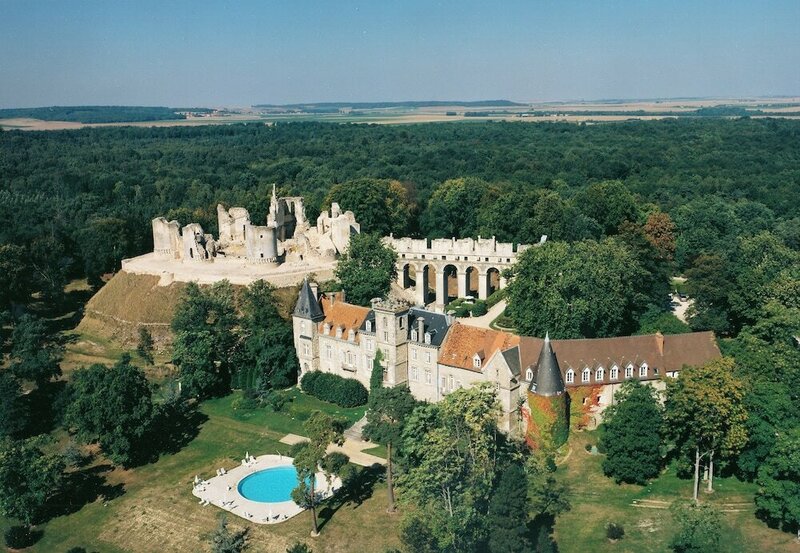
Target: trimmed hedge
[{"x": 344, "y": 392}]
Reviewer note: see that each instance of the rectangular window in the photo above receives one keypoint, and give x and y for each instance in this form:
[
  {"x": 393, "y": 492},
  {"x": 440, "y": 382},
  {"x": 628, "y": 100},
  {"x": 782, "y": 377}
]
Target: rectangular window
[
  {"x": 414, "y": 354},
  {"x": 385, "y": 335},
  {"x": 306, "y": 349},
  {"x": 427, "y": 377},
  {"x": 643, "y": 371},
  {"x": 427, "y": 357},
  {"x": 452, "y": 382},
  {"x": 443, "y": 384},
  {"x": 614, "y": 373},
  {"x": 628, "y": 372},
  {"x": 414, "y": 374},
  {"x": 328, "y": 352}
]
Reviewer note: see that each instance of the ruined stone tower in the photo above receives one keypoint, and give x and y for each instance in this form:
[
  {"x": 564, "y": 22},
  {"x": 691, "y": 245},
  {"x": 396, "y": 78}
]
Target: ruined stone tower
[{"x": 548, "y": 426}]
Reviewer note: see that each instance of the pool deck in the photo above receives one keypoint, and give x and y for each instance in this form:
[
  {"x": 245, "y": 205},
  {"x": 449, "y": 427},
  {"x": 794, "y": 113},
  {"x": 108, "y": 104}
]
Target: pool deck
[{"x": 223, "y": 491}]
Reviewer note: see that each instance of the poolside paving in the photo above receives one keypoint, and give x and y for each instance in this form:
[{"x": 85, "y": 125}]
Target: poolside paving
[
  {"x": 353, "y": 447},
  {"x": 223, "y": 492}
]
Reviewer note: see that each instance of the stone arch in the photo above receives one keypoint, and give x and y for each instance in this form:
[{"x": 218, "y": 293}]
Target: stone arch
[
  {"x": 408, "y": 276},
  {"x": 472, "y": 277},
  {"x": 450, "y": 281},
  {"x": 492, "y": 280},
  {"x": 426, "y": 284}
]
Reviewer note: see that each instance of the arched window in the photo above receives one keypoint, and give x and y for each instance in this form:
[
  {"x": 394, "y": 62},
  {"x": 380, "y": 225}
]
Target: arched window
[
  {"x": 369, "y": 326},
  {"x": 529, "y": 374},
  {"x": 570, "y": 376},
  {"x": 587, "y": 374},
  {"x": 614, "y": 372},
  {"x": 599, "y": 374}
]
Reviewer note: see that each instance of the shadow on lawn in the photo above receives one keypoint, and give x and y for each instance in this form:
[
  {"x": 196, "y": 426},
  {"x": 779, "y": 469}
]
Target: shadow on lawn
[
  {"x": 81, "y": 488},
  {"x": 540, "y": 531},
  {"x": 358, "y": 485}
]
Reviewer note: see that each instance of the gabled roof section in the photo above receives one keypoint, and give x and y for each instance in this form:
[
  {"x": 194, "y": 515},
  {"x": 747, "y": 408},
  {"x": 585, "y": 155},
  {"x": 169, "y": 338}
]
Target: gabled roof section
[
  {"x": 548, "y": 380},
  {"x": 436, "y": 324},
  {"x": 463, "y": 342},
  {"x": 307, "y": 305},
  {"x": 346, "y": 316},
  {"x": 511, "y": 356}
]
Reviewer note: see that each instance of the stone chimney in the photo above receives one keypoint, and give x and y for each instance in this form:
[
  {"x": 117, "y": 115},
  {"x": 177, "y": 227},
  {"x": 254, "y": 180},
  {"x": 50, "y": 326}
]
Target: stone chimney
[
  {"x": 420, "y": 328},
  {"x": 314, "y": 289},
  {"x": 660, "y": 343}
]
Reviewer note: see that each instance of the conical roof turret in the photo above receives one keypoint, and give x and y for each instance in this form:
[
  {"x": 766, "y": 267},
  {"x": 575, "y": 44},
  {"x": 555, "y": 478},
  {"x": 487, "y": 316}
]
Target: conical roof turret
[
  {"x": 548, "y": 381},
  {"x": 307, "y": 304}
]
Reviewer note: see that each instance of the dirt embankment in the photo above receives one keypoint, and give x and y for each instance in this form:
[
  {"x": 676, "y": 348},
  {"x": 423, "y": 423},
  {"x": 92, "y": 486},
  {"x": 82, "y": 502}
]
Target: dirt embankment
[{"x": 130, "y": 301}]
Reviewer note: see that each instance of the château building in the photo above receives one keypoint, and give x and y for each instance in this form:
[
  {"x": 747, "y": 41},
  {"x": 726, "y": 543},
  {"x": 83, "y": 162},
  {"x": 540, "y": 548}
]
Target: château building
[{"x": 433, "y": 355}]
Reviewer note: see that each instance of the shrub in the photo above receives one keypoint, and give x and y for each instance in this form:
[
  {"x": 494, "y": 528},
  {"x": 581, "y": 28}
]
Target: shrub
[
  {"x": 479, "y": 308},
  {"x": 277, "y": 402},
  {"x": 344, "y": 392},
  {"x": 299, "y": 548},
  {"x": 19, "y": 537},
  {"x": 614, "y": 531},
  {"x": 244, "y": 404},
  {"x": 76, "y": 550},
  {"x": 495, "y": 297}
]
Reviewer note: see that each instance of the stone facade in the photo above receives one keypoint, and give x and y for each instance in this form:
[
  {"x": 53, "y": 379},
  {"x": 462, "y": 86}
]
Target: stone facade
[
  {"x": 434, "y": 355},
  {"x": 286, "y": 237},
  {"x": 440, "y": 269}
]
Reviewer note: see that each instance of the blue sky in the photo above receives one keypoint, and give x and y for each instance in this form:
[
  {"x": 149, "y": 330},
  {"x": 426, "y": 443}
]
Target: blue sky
[{"x": 207, "y": 53}]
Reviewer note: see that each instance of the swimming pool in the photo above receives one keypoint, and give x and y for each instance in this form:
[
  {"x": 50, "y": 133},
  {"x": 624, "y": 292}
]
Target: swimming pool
[{"x": 271, "y": 485}]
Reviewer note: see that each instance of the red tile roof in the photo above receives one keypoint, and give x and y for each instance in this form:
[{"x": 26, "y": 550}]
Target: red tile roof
[
  {"x": 463, "y": 342},
  {"x": 341, "y": 314}
]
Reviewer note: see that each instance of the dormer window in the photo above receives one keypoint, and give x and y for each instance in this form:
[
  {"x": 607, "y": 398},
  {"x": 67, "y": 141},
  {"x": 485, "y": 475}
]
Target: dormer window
[
  {"x": 351, "y": 335},
  {"x": 614, "y": 372},
  {"x": 599, "y": 374},
  {"x": 570, "y": 376},
  {"x": 369, "y": 326},
  {"x": 339, "y": 332},
  {"x": 643, "y": 370},
  {"x": 529, "y": 374},
  {"x": 629, "y": 371},
  {"x": 476, "y": 361},
  {"x": 586, "y": 375},
  {"x": 427, "y": 337},
  {"x": 414, "y": 335}
]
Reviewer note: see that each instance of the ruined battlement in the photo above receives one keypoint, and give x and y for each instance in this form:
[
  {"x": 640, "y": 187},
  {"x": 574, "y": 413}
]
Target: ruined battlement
[{"x": 487, "y": 250}]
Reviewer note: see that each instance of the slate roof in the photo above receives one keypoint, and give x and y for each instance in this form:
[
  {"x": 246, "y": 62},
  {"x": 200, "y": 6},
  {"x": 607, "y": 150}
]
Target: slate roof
[
  {"x": 307, "y": 305},
  {"x": 512, "y": 359},
  {"x": 667, "y": 353},
  {"x": 548, "y": 380},
  {"x": 435, "y": 323},
  {"x": 463, "y": 342}
]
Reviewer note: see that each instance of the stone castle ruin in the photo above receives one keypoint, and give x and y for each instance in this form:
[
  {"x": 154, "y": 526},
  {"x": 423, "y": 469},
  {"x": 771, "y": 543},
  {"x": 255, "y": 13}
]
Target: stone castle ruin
[{"x": 287, "y": 236}]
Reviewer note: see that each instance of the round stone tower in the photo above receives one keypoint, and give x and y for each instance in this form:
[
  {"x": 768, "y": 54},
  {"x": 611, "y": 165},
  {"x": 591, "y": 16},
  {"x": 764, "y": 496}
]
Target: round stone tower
[{"x": 548, "y": 426}]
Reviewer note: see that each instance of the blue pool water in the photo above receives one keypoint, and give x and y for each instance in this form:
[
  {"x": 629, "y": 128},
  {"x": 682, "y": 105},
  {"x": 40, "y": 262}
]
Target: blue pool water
[{"x": 269, "y": 485}]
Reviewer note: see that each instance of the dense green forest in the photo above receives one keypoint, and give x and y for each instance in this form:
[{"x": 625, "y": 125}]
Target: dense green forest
[
  {"x": 99, "y": 114},
  {"x": 76, "y": 202}
]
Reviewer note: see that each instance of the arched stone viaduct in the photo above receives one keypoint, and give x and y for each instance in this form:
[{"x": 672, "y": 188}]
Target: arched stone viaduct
[{"x": 443, "y": 268}]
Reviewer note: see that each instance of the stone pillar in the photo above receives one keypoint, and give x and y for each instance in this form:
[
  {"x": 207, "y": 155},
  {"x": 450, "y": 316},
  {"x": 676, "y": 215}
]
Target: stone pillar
[
  {"x": 400, "y": 276},
  {"x": 441, "y": 288},
  {"x": 421, "y": 287},
  {"x": 483, "y": 285},
  {"x": 461, "y": 277}
]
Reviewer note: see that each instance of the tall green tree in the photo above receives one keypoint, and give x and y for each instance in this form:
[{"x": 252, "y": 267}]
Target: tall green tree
[
  {"x": 451, "y": 454},
  {"x": 103, "y": 242},
  {"x": 35, "y": 354},
  {"x": 778, "y": 496},
  {"x": 381, "y": 206},
  {"x": 507, "y": 518},
  {"x": 268, "y": 343},
  {"x": 112, "y": 406},
  {"x": 28, "y": 479},
  {"x": 145, "y": 346},
  {"x": 610, "y": 203},
  {"x": 367, "y": 269},
  {"x": 16, "y": 285},
  {"x": 583, "y": 290},
  {"x": 454, "y": 206},
  {"x": 322, "y": 430},
  {"x": 387, "y": 411},
  {"x": 705, "y": 414},
  {"x": 205, "y": 341},
  {"x": 13, "y": 414},
  {"x": 632, "y": 436},
  {"x": 699, "y": 528},
  {"x": 223, "y": 540}
]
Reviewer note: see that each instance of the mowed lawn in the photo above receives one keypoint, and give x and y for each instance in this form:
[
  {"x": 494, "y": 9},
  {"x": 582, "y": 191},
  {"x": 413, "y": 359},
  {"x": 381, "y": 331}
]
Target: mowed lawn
[
  {"x": 157, "y": 512},
  {"x": 597, "y": 500}
]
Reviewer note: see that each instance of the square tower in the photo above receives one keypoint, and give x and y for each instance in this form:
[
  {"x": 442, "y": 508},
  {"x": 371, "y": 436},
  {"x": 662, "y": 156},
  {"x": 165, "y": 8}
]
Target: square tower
[{"x": 391, "y": 337}]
